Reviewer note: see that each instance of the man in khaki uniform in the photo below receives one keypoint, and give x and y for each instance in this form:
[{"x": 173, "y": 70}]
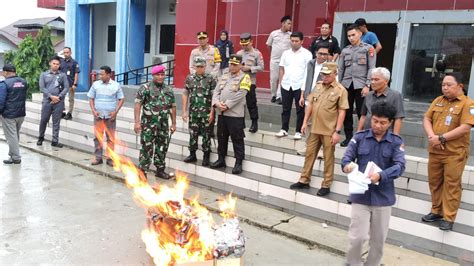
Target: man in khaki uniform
[
  {"x": 252, "y": 62},
  {"x": 211, "y": 53},
  {"x": 327, "y": 107},
  {"x": 447, "y": 123},
  {"x": 278, "y": 41},
  {"x": 229, "y": 100}
]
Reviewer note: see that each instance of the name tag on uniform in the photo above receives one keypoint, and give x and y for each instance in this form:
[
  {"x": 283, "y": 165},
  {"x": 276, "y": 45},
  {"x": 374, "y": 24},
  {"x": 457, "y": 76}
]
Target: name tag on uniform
[
  {"x": 68, "y": 72},
  {"x": 448, "y": 120}
]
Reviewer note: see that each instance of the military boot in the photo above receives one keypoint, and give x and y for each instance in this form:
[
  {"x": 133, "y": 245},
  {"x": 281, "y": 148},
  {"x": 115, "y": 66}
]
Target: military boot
[
  {"x": 220, "y": 163},
  {"x": 191, "y": 158},
  {"x": 162, "y": 174},
  {"x": 254, "y": 127},
  {"x": 205, "y": 158},
  {"x": 237, "y": 167}
]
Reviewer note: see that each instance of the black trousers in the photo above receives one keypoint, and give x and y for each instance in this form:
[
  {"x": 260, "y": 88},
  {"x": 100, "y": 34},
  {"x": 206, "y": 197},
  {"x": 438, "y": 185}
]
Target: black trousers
[
  {"x": 251, "y": 100},
  {"x": 287, "y": 98},
  {"x": 354, "y": 95},
  {"x": 233, "y": 127}
]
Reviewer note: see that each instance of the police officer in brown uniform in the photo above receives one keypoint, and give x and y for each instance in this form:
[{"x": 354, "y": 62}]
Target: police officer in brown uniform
[
  {"x": 207, "y": 51},
  {"x": 229, "y": 100},
  {"x": 252, "y": 62},
  {"x": 447, "y": 123},
  {"x": 327, "y": 107}
]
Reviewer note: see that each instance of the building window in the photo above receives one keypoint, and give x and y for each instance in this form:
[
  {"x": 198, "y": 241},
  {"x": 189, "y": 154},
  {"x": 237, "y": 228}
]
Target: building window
[
  {"x": 167, "y": 39},
  {"x": 111, "y": 38},
  {"x": 147, "y": 38}
]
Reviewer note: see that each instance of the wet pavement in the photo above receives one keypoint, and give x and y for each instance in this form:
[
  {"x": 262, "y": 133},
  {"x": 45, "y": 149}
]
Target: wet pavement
[{"x": 57, "y": 213}]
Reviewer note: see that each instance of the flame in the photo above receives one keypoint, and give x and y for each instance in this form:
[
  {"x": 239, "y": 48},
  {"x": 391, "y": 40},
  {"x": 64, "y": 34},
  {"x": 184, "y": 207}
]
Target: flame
[{"x": 178, "y": 230}]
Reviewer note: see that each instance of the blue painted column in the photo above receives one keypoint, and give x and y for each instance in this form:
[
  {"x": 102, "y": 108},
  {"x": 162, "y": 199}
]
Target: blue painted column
[
  {"x": 78, "y": 38},
  {"x": 123, "y": 13}
]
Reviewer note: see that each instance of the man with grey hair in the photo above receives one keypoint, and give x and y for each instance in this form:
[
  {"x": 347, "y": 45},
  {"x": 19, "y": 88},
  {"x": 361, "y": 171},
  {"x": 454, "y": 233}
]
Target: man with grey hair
[{"x": 381, "y": 93}]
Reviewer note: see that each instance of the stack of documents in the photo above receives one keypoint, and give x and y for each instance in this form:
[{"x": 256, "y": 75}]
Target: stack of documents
[{"x": 359, "y": 182}]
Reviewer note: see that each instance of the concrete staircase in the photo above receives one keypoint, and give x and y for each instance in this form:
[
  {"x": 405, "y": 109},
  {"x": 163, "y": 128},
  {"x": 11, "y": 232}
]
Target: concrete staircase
[{"x": 270, "y": 167}]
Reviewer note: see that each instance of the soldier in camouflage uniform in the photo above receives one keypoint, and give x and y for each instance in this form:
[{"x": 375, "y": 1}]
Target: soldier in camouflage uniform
[
  {"x": 158, "y": 103},
  {"x": 198, "y": 89},
  {"x": 229, "y": 99}
]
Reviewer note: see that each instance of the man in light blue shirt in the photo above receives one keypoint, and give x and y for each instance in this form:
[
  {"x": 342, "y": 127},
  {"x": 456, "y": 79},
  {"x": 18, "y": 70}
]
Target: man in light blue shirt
[
  {"x": 105, "y": 98},
  {"x": 368, "y": 36}
]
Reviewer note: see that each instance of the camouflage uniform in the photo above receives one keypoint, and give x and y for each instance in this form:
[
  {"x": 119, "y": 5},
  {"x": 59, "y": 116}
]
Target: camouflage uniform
[
  {"x": 157, "y": 101},
  {"x": 199, "y": 89}
]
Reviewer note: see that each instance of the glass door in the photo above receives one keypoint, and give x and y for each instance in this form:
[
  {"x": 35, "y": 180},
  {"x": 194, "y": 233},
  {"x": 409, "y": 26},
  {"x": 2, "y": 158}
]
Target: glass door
[{"x": 436, "y": 50}]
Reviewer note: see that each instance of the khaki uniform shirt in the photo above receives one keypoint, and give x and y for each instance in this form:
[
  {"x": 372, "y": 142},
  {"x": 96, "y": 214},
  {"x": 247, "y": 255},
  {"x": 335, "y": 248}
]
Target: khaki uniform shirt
[
  {"x": 355, "y": 64},
  {"x": 213, "y": 59},
  {"x": 280, "y": 42},
  {"x": 326, "y": 102},
  {"x": 447, "y": 115},
  {"x": 254, "y": 60},
  {"x": 231, "y": 90}
]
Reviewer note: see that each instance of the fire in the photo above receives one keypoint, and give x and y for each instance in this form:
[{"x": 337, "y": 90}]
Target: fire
[{"x": 178, "y": 230}]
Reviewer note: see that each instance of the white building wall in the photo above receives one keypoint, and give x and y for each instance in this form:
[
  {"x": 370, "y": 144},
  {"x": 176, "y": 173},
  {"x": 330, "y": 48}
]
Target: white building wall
[
  {"x": 104, "y": 16},
  {"x": 157, "y": 14}
]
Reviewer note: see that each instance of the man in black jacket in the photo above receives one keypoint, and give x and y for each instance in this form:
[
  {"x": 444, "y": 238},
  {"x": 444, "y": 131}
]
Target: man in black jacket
[{"x": 13, "y": 91}]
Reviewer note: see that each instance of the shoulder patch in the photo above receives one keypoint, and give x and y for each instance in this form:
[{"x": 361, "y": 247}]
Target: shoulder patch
[
  {"x": 217, "y": 56},
  {"x": 245, "y": 83}
]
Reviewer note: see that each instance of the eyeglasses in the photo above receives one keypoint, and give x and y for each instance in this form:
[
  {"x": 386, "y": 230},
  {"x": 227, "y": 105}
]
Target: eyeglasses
[{"x": 323, "y": 54}]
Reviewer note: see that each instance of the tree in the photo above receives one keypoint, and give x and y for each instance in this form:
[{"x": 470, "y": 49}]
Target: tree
[
  {"x": 44, "y": 47},
  {"x": 9, "y": 56},
  {"x": 27, "y": 63}
]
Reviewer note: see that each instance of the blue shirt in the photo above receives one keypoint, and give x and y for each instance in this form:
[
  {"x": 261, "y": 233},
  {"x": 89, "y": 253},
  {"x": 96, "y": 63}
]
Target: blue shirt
[
  {"x": 387, "y": 154},
  {"x": 106, "y": 96},
  {"x": 370, "y": 38}
]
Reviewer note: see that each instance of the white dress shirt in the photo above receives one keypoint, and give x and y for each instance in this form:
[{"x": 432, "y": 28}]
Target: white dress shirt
[{"x": 294, "y": 64}]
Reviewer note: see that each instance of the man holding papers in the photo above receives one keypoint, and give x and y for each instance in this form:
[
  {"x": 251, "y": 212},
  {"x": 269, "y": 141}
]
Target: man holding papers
[{"x": 371, "y": 209}]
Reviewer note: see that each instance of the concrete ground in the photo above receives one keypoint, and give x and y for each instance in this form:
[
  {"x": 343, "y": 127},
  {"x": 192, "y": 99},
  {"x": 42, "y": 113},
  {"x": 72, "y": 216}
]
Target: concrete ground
[{"x": 58, "y": 213}]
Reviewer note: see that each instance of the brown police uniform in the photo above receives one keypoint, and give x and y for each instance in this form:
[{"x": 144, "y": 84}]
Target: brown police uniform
[
  {"x": 326, "y": 101},
  {"x": 212, "y": 55},
  {"x": 445, "y": 167}
]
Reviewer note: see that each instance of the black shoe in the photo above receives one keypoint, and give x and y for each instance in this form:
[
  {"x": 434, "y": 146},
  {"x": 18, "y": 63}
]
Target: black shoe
[
  {"x": 323, "y": 191},
  {"x": 63, "y": 115},
  {"x": 191, "y": 158},
  {"x": 109, "y": 162},
  {"x": 220, "y": 163},
  {"x": 278, "y": 101},
  {"x": 299, "y": 185},
  {"x": 205, "y": 158},
  {"x": 431, "y": 217},
  {"x": 274, "y": 98},
  {"x": 162, "y": 174},
  {"x": 254, "y": 127},
  {"x": 11, "y": 161},
  {"x": 40, "y": 142},
  {"x": 446, "y": 226},
  {"x": 345, "y": 142},
  {"x": 237, "y": 167},
  {"x": 97, "y": 162},
  {"x": 68, "y": 116},
  {"x": 57, "y": 144}
]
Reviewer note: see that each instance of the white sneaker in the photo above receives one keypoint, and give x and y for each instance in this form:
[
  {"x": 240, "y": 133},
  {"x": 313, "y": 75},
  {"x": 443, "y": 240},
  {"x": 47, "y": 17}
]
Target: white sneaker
[
  {"x": 301, "y": 152},
  {"x": 297, "y": 136},
  {"x": 282, "y": 133}
]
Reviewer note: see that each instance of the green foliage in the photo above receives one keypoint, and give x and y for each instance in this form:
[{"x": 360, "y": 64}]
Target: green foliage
[
  {"x": 44, "y": 46},
  {"x": 9, "y": 56},
  {"x": 27, "y": 63},
  {"x": 32, "y": 58}
]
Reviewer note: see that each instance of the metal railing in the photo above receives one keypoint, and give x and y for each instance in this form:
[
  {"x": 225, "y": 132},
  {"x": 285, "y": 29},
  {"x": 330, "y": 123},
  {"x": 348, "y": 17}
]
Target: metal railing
[{"x": 143, "y": 75}]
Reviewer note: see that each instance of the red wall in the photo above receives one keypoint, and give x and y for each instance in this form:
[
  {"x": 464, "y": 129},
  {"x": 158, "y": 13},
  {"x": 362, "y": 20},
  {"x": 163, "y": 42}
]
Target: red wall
[
  {"x": 260, "y": 17},
  {"x": 52, "y": 4}
]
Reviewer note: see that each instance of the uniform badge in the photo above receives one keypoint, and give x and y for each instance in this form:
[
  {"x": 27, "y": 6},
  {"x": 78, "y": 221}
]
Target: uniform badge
[
  {"x": 245, "y": 83},
  {"x": 371, "y": 51}
]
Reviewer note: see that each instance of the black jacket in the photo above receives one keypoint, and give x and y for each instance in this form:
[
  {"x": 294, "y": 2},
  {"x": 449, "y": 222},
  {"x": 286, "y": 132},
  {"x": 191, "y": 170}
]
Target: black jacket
[{"x": 13, "y": 104}]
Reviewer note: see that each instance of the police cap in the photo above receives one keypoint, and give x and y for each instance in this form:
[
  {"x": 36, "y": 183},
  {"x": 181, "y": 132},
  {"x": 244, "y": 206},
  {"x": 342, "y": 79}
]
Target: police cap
[
  {"x": 201, "y": 34},
  {"x": 245, "y": 38},
  {"x": 235, "y": 59}
]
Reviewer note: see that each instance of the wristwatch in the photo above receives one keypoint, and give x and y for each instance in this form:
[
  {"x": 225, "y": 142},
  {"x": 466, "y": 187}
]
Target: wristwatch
[
  {"x": 442, "y": 139},
  {"x": 338, "y": 131}
]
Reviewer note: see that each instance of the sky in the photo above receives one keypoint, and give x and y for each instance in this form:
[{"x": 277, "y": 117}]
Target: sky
[{"x": 13, "y": 10}]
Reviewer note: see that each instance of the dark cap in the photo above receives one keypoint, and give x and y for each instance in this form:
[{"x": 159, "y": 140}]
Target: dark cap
[
  {"x": 360, "y": 22},
  {"x": 9, "y": 68},
  {"x": 235, "y": 59},
  {"x": 245, "y": 38},
  {"x": 201, "y": 34}
]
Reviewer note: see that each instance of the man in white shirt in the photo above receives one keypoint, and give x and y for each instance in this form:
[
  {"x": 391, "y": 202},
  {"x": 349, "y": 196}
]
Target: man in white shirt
[
  {"x": 292, "y": 72},
  {"x": 278, "y": 42}
]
